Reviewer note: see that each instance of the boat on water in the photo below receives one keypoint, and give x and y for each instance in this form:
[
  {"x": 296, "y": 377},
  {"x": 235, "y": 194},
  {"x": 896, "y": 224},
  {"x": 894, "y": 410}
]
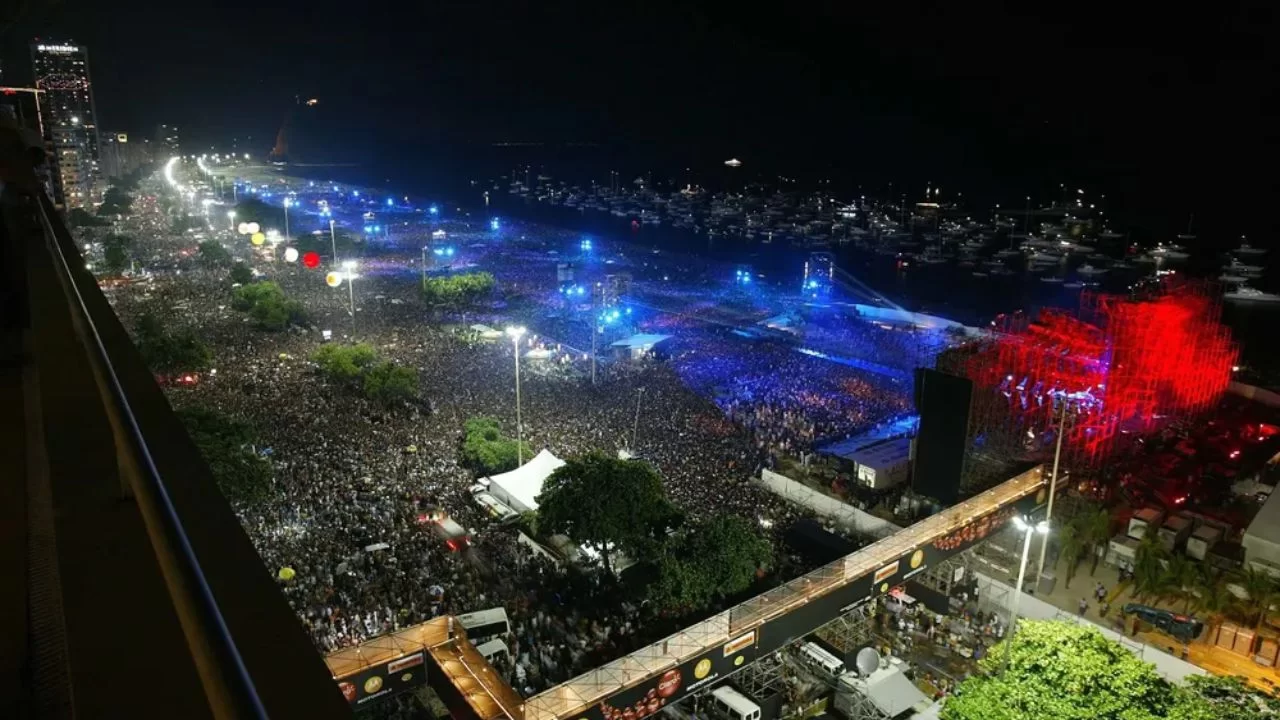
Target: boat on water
[
  {"x": 1087, "y": 269},
  {"x": 1051, "y": 279},
  {"x": 1008, "y": 253},
  {"x": 1229, "y": 278},
  {"x": 980, "y": 274},
  {"x": 1172, "y": 252},
  {"x": 1248, "y": 294},
  {"x": 1121, "y": 265},
  {"x": 1239, "y": 268},
  {"x": 1073, "y": 285},
  {"x": 1247, "y": 249}
]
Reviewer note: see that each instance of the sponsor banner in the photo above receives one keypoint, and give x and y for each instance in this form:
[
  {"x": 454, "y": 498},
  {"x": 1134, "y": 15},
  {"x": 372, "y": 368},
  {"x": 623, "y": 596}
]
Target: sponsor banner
[
  {"x": 384, "y": 680},
  {"x": 812, "y": 615},
  {"x": 649, "y": 697}
]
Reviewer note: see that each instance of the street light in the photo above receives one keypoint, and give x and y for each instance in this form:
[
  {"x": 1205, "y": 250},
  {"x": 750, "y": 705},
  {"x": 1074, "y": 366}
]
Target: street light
[
  {"x": 1028, "y": 529},
  {"x": 286, "y": 217},
  {"x": 231, "y": 216},
  {"x": 350, "y": 267},
  {"x": 514, "y": 333}
]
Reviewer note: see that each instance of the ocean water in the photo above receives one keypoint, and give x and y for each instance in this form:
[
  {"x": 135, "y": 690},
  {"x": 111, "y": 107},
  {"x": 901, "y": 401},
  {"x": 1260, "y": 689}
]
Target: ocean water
[{"x": 945, "y": 289}]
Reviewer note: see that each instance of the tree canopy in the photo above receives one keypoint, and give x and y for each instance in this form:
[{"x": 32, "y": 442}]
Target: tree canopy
[
  {"x": 241, "y": 274},
  {"x": 456, "y": 290},
  {"x": 1064, "y": 671},
  {"x": 607, "y": 503},
  {"x": 115, "y": 201},
  {"x": 225, "y": 444},
  {"x": 170, "y": 352},
  {"x": 213, "y": 254},
  {"x": 115, "y": 252},
  {"x": 714, "y": 558},
  {"x": 381, "y": 380},
  {"x": 344, "y": 362},
  {"x": 388, "y": 382},
  {"x": 79, "y": 217},
  {"x": 486, "y": 450},
  {"x": 267, "y": 305}
]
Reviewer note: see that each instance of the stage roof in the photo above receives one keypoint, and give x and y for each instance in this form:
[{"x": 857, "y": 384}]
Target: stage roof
[
  {"x": 524, "y": 484},
  {"x": 640, "y": 342}
]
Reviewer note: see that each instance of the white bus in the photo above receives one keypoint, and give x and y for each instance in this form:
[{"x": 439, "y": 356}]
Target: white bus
[
  {"x": 729, "y": 703},
  {"x": 485, "y": 625},
  {"x": 820, "y": 661}
]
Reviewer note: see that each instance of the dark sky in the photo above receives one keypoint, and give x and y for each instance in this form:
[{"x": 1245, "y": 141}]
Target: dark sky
[{"x": 1170, "y": 108}]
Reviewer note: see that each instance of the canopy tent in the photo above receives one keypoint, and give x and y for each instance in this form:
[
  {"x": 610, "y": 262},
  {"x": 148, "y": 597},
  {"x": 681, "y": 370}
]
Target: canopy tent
[
  {"x": 642, "y": 341},
  {"x": 638, "y": 345},
  {"x": 519, "y": 488}
]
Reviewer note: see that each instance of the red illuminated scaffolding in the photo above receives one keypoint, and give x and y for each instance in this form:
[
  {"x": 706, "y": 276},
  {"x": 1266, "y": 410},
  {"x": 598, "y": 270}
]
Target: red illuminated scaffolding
[{"x": 1122, "y": 363}]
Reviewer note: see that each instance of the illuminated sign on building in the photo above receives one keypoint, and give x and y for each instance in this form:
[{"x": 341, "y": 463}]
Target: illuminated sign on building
[{"x": 58, "y": 48}]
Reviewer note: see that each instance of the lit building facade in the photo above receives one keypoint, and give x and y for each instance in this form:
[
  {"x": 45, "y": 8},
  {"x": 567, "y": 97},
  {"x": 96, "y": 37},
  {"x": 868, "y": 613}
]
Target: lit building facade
[
  {"x": 61, "y": 71},
  {"x": 122, "y": 154},
  {"x": 167, "y": 139}
]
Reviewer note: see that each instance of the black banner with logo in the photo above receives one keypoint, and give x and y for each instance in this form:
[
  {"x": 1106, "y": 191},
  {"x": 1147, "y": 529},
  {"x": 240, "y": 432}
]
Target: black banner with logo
[
  {"x": 384, "y": 680},
  {"x": 693, "y": 675},
  {"x": 818, "y": 612}
]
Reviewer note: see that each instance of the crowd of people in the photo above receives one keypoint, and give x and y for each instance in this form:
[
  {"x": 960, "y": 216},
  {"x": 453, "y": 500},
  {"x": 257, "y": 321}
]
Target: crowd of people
[{"x": 351, "y": 477}]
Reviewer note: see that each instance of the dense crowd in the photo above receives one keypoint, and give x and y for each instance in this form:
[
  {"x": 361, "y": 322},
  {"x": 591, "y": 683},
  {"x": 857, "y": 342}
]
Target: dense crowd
[{"x": 352, "y": 476}]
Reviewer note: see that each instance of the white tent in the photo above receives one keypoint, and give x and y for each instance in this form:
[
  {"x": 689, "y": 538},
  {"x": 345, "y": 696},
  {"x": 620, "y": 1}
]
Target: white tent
[{"x": 518, "y": 488}]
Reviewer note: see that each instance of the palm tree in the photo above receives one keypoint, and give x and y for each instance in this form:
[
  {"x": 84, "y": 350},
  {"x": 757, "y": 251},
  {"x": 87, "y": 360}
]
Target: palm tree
[
  {"x": 1070, "y": 547},
  {"x": 1183, "y": 575},
  {"x": 1148, "y": 564},
  {"x": 1263, "y": 593},
  {"x": 1096, "y": 532},
  {"x": 1213, "y": 599}
]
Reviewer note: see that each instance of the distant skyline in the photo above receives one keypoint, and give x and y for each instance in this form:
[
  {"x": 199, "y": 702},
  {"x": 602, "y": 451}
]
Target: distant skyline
[{"x": 1172, "y": 110}]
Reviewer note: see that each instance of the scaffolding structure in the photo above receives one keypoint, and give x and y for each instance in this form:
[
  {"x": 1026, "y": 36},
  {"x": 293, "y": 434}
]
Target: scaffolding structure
[
  {"x": 1120, "y": 363},
  {"x": 850, "y": 632}
]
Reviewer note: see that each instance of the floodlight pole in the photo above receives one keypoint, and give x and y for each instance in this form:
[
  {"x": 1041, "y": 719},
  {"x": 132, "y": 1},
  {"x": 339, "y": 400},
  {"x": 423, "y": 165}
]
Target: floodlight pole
[{"x": 1053, "y": 488}]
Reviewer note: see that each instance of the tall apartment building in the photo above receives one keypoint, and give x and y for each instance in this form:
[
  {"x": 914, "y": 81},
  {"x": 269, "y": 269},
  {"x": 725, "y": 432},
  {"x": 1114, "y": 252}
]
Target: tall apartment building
[
  {"x": 122, "y": 154},
  {"x": 61, "y": 71},
  {"x": 166, "y": 140}
]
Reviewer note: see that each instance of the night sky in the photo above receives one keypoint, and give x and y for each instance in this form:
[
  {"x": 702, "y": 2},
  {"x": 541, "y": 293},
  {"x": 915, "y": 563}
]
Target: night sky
[{"x": 1171, "y": 112}]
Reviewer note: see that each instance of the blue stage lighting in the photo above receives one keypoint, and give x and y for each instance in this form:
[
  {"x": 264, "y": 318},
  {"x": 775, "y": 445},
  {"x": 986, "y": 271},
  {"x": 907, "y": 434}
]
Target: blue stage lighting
[
  {"x": 435, "y": 210},
  {"x": 494, "y": 224}
]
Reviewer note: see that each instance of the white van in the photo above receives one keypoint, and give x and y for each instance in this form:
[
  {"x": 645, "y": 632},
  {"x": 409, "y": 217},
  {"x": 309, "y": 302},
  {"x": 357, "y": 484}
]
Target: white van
[
  {"x": 814, "y": 657},
  {"x": 729, "y": 703}
]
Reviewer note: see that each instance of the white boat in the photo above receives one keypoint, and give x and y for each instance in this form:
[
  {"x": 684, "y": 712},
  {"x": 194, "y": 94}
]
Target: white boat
[
  {"x": 1229, "y": 278},
  {"x": 1073, "y": 285},
  {"x": 1087, "y": 269},
  {"x": 1008, "y": 253},
  {"x": 1121, "y": 265},
  {"x": 1247, "y": 249},
  {"x": 1243, "y": 269},
  {"x": 1248, "y": 294},
  {"x": 1173, "y": 252},
  {"x": 1051, "y": 279}
]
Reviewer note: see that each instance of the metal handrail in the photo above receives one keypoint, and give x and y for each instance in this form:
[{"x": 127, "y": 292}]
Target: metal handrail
[{"x": 226, "y": 680}]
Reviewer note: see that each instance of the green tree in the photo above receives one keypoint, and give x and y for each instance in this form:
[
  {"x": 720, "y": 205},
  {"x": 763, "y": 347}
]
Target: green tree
[
  {"x": 213, "y": 254},
  {"x": 267, "y": 305},
  {"x": 115, "y": 252},
  {"x": 79, "y": 217},
  {"x": 1183, "y": 577},
  {"x": 170, "y": 352},
  {"x": 716, "y": 558},
  {"x": 606, "y": 503},
  {"x": 1062, "y": 670},
  {"x": 241, "y": 274},
  {"x": 456, "y": 290},
  {"x": 1072, "y": 547},
  {"x": 1262, "y": 593},
  {"x": 115, "y": 202},
  {"x": 226, "y": 443},
  {"x": 1095, "y": 531},
  {"x": 345, "y": 363},
  {"x": 1215, "y": 697},
  {"x": 1149, "y": 578},
  {"x": 1213, "y": 599},
  {"x": 387, "y": 382},
  {"x": 486, "y": 450}
]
